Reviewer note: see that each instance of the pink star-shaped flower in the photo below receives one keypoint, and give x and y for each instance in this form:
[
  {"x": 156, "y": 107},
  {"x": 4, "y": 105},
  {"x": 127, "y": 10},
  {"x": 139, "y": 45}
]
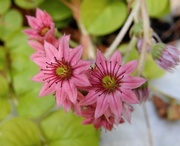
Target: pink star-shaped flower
[
  {"x": 62, "y": 72},
  {"x": 112, "y": 85}
]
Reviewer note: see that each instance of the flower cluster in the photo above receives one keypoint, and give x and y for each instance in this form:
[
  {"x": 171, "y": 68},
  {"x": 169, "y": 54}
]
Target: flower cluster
[{"x": 102, "y": 92}]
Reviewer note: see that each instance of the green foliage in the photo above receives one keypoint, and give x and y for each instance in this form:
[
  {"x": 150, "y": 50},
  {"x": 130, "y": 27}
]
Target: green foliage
[
  {"x": 158, "y": 8},
  {"x": 19, "y": 132},
  {"x": 103, "y": 16},
  {"x": 10, "y": 23},
  {"x": 5, "y": 107},
  {"x": 66, "y": 130},
  {"x": 4, "y": 87},
  {"x": 56, "y": 9},
  {"x": 4, "y": 6},
  {"x": 28, "y": 4}
]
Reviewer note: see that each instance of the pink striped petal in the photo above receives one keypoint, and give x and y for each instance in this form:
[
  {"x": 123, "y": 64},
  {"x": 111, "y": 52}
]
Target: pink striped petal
[
  {"x": 101, "y": 106},
  {"x": 81, "y": 80},
  {"x": 60, "y": 97},
  {"x": 116, "y": 57},
  {"x": 75, "y": 55},
  {"x": 129, "y": 97},
  {"x": 50, "y": 50},
  {"x": 46, "y": 89},
  {"x": 71, "y": 90},
  {"x": 132, "y": 82},
  {"x": 39, "y": 77}
]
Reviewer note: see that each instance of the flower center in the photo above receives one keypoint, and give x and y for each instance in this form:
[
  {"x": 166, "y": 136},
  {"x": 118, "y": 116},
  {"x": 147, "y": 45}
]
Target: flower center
[
  {"x": 109, "y": 83},
  {"x": 64, "y": 71},
  {"x": 44, "y": 31}
]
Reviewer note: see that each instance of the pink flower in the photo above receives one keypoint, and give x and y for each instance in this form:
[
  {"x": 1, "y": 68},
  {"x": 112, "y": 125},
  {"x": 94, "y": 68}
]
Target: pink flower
[
  {"x": 112, "y": 85},
  {"x": 107, "y": 120},
  {"x": 41, "y": 26},
  {"x": 62, "y": 72},
  {"x": 142, "y": 92},
  {"x": 166, "y": 56}
]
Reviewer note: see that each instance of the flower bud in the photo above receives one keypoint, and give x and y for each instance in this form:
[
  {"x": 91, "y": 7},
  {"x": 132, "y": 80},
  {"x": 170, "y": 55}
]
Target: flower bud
[
  {"x": 136, "y": 30},
  {"x": 166, "y": 56}
]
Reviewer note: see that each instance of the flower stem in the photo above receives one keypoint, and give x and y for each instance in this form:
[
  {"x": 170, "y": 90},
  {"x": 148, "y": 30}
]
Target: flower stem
[
  {"x": 146, "y": 29},
  {"x": 123, "y": 31}
]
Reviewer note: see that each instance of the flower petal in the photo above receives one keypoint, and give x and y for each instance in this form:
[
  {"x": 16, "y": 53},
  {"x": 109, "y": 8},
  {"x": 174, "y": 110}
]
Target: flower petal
[
  {"x": 60, "y": 96},
  {"x": 81, "y": 80},
  {"x": 63, "y": 48},
  {"x": 128, "y": 68},
  {"x": 116, "y": 57},
  {"x": 90, "y": 98},
  {"x": 39, "y": 77},
  {"x": 41, "y": 61},
  {"x": 75, "y": 55},
  {"x": 50, "y": 50},
  {"x": 129, "y": 97},
  {"x": 81, "y": 66},
  {"x": 46, "y": 89},
  {"x": 71, "y": 90},
  {"x": 132, "y": 82},
  {"x": 36, "y": 45},
  {"x": 101, "y": 106},
  {"x": 115, "y": 104}
]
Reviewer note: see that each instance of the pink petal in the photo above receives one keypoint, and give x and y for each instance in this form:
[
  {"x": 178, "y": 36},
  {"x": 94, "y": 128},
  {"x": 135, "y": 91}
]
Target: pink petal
[
  {"x": 75, "y": 55},
  {"x": 50, "y": 50},
  {"x": 126, "y": 111},
  {"x": 132, "y": 82},
  {"x": 129, "y": 97},
  {"x": 46, "y": 89},
  {"x": 100, "y": 60},
  {"x": 32, "y": 21},
  {"x": 71, "y": 90},
  {"x": 36, "y": 45},
  {"x": 38, "y": 54},
  {"x": 90, "y": 98},
  {"x": 81, "y": 66},
  {"x": 101, "y": 106},
  {"x": 41, "y": 61},
  {"x": 116, "y": 57},
  {"x": 60, "y": 96},
  {"x": 39, "y": 77},
  {"x": 63, "y": 48},
  {"x": 129, "y": 67},
  {"x": 115, "y": 104},
  {"x": 81, "y": 80}
]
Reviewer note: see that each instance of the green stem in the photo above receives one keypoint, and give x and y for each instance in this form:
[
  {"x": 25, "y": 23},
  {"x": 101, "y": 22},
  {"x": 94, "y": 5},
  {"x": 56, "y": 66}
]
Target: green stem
[
  {"x": 146, "y": 29},
  {"x": 123, "y": 31}
]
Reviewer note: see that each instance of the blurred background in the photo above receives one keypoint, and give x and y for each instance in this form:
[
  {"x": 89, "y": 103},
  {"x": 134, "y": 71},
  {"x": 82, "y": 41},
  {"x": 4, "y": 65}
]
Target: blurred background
[{"x": 26, "y": 119}]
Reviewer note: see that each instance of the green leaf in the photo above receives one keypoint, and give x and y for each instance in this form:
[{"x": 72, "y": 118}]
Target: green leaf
[
  {"x": 65, "y": 129},
  {"x": 10, "y": 23},
  {"x": 5, "y": 107},
  {"x": 101, "y": 17},
  {"x": 158, "y": 8},
  {"x": 19, "y": 132},
  {"x": 4, "y": 87},
  {"x": 2, "y": 58},
  {"x": 151, "y": 69},
  {"x": 56, "y": 9},
  {"x": 4, "y": 6},
  {"x": 28, "y": 4},
  {"x": 31, "y": 106}
]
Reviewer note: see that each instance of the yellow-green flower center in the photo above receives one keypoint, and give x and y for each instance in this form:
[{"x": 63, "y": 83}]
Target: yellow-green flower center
[
  {"x": 44, "y": 31},
  {"x": 109, "y": 83},
  {"x": 64, "y": 71}
]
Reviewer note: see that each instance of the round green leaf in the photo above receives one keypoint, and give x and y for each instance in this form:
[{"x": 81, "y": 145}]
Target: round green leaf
[
  {"x": 28, "y": 4},
  {"x": 56, "y": 9},
  {"x": 11, "y": 22},
  {"x": 151, "y": 69},
  {"x": 103, "y": 16},
  {"x": 5, "y": 107},
  {"x": 65, "y": 129},
  {"x": 158, "y": 8},
  {"x": 4, "y": 6},
  {"x": 19, "y": 132},
  {"x": 31, "y": 106}
]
